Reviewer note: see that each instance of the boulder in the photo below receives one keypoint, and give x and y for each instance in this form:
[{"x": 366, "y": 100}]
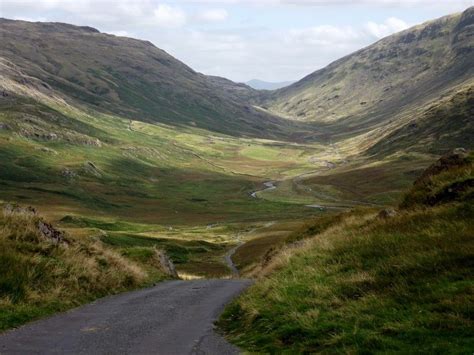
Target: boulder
[
  {"x": 387, "y": 213},
  {"x": 456, "y": 158},
  {"x": 68, "y": 174},
  {"x": 50, "y": 233}
]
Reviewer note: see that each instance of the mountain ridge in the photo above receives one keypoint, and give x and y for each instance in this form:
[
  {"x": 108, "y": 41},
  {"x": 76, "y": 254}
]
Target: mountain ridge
[
  {"x": 124, "y": 76},
  {"x": 386, "y": 85}
]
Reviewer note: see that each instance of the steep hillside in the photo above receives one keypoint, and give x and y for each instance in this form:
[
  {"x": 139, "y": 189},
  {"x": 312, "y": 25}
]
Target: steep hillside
[
  {"x": 385, "y": 83},
  {"x": 443, "y": 125},
  {"x": 120, "y": 75}
]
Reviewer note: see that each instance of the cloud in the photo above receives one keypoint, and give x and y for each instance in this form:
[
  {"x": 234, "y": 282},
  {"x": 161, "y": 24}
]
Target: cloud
[
  {"x": 322, "y": 35},
  {"x": 212, "y": 15},
  {"x": 464, "y": 3},
  {"x": 130, "y": 12},
  {"x": 120, "y": 33},
  {"x": 272, "y": 54},
  {"x": 168, "y": 16},
  {"x": 391, "y": 25}
]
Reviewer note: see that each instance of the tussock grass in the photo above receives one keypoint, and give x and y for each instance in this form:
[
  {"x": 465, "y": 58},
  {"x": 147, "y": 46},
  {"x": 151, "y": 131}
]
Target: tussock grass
[
  {"x": 39, "y": 277},
  {"x": 367, "y": 283}
]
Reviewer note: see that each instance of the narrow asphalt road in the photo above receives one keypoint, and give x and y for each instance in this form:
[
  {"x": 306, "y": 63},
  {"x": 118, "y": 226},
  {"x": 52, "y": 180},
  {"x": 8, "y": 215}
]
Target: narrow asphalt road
[{"x": 174, "y": 317}]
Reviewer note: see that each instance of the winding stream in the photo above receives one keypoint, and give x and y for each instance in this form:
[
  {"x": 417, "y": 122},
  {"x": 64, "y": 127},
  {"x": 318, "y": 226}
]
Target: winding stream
[
  {"x": 230, "y": 262},
  {"x": 269, "y": 185}
]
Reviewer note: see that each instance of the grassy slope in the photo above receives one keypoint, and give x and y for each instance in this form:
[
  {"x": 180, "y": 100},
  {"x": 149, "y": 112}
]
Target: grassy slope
[
  {"x": 158, "y": 176},
  {"x": 129, "y": 178},
  {"x": 39, "y": 277},
  {"x": 407, "y": 67},
  {"x": 175, "y": 176},
  {"x": 369, "y": 284},
  {"x": 126, "y": 77}
]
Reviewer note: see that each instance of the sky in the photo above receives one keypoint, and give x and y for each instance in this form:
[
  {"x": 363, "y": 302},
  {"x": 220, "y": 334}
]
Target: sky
[{"x": 271, "y": 40}]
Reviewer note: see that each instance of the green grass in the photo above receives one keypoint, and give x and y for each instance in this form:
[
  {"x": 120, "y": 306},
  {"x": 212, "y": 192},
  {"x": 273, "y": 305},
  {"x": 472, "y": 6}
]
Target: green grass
[
  {"x": 149, "y": 174},
  {"x": 146, "y": 179},
  {"x": 361, "y": 283},
  {"x": 370, "y": 286},
  {"x": 40, "y": 278}
]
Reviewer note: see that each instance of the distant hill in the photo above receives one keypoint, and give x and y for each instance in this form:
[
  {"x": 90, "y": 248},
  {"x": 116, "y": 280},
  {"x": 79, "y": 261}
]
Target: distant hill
[
  {"x": 120, "y": 75},
  {"x": 265, "y": 85}
]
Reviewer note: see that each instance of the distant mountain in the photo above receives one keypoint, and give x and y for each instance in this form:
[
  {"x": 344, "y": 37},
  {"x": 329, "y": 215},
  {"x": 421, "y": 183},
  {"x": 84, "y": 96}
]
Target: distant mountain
[
  {"x": 265, "y": 85},
  {"x": 392, "y": 89},
  {"x": 121, "y": 76}
]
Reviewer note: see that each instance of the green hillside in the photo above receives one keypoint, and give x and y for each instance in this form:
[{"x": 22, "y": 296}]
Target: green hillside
[
  {"x": 122, "y": 76},
  {"x": 383, "y": 84}
]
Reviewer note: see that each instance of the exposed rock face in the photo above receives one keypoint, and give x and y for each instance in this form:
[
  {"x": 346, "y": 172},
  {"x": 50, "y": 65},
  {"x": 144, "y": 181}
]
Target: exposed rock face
[
  {"x": 449, "y": 179},
  {"x": 90, "y": 168},
  {"x": 48, "y": 150}
]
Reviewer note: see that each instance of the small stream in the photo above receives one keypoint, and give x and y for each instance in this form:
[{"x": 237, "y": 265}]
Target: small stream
[
  {"x": 230, "y": 262},
  {"x": 269, "y": 185}
]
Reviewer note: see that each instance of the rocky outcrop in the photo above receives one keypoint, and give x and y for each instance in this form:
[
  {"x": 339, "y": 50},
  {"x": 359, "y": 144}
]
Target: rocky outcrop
[
  {"x": 166, "y": 264},
  {"x": 68, "y": 173},
  {"x": 89, "y": 168},
  {"x": 448, "y": 180},
  {"x": 13, "y": 209},
  {"x": 457, "y": 158},
  {"x": 29, "y": 215},
  {"x": 50, "y": 233}
]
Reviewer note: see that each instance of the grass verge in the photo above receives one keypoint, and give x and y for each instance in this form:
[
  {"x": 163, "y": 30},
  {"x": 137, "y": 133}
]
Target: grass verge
[{"x": 40, "y": 276}]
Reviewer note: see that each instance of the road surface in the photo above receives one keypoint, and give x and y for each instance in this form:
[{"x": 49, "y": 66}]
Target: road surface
[{"x": 174, "y": 317}]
